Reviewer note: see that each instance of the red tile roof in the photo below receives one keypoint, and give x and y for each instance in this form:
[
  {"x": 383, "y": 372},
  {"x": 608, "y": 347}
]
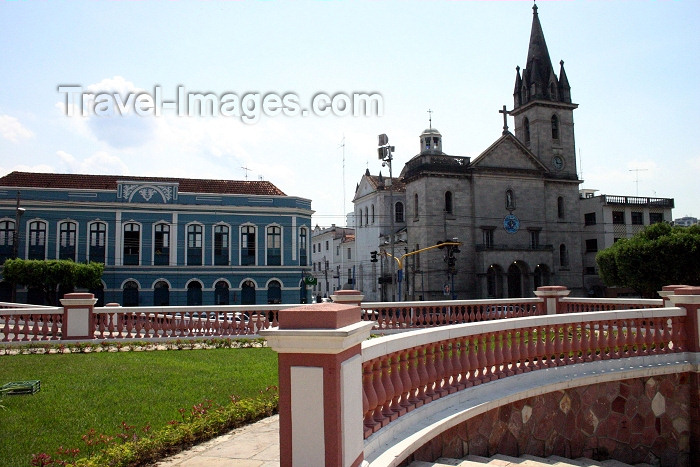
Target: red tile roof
[{"x": 109, "y": 182}]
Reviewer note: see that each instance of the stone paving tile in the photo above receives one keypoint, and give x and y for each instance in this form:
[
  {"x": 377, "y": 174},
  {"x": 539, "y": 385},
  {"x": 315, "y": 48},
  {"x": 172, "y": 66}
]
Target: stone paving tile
[{"x": 255, "y": 445}]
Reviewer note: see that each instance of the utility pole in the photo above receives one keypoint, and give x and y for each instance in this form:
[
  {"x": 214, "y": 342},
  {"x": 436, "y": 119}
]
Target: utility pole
[{"x": 19, "y": 211}]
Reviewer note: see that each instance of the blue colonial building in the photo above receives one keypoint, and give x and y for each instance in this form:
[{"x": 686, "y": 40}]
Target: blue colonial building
[{"x": 164, "y": 241}]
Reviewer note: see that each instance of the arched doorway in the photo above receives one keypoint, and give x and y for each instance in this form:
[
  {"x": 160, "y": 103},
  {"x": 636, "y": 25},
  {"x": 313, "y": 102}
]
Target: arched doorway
[
  {"x": 194, "y": 293},
  {"x": 494, "y": 281},
  {"x": 274, "y": 292},
  {"x": 248, "y": 293},
  {"x": 541, "y": 275},
  {"x": 161, "y": 294},
  {"x": 515, "y": 281},
  {"x": 221, "y": 293},
  {"x": 130, "y": 294}
]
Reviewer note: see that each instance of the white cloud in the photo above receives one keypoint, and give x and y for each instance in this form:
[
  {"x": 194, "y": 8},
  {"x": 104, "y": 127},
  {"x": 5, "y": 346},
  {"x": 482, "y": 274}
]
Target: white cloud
[{"x": 12, "y": 130}]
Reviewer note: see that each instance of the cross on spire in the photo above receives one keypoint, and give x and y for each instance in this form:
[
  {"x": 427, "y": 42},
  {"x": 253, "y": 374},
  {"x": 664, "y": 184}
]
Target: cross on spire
[
  {"x": 505, "y": 119},
  {"x": 430, "y": 118}
]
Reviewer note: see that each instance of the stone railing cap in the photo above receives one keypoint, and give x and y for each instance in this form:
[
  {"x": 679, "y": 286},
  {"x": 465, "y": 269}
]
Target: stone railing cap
[
  {"x": 688, "y": 290},
  {"x": 347, "y": 292},
  {"x": 319, "y": 316},
  {"x": 551, "y": 288},
  {"x": 78, "y": 296},
  {"x": 673, "y": 287}
]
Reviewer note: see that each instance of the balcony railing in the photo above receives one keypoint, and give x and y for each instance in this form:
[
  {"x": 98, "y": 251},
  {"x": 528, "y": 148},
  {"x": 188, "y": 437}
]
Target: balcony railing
[{"x": 640, "y": 201}]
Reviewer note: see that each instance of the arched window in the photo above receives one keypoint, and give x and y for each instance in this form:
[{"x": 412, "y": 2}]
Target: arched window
[
  {"x": 274, "y": 292},
  {"x": 415, "y": 206},
  {"x": 98, "y": 242},
  {"x": 221, "y": 245},
  {"x": 194, "y": 244},
  {"x": 130, "y": 294},
  {"x": 398, "y": 211},
  {"x": 194, "y": 293},
  {"x": 248, "y": 245},
  {"x": 132, "y": 244},
  {"x": 37, "y": 240},
  {"x": 560, "y": 207},
  {"x": 373, "y": 214},
  {"x": 161, "y": 294},
  {"x": 274, "y": 246},
  {"x": 526, "y": 130},
  {"x": 366, "y": 216},
  {"x": 161, "y": 244},
  {"x": 555, "y": 127},
  {"x": 448, "y": 202},
  {"x": 67, "y": 239},
  {"x": 7, "y": 240},
  {"x": 359, "y": 216},
  {"x": 563, "y": 256}
]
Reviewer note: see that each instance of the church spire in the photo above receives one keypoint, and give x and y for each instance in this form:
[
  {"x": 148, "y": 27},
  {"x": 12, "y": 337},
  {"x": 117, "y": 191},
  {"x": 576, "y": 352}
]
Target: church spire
[{"x": 538, "y": 79}]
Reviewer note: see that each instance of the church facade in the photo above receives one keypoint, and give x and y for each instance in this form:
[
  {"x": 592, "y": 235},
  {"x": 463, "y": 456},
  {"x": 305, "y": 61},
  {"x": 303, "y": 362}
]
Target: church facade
[{"x": 514, "y": 208}]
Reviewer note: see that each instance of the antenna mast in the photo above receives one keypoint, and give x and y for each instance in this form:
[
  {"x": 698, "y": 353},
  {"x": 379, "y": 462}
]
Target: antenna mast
[
  {"x": 246, "y": 172},
  {"x": 342, "y": 145},
  {"x": 636, "y": 181}
]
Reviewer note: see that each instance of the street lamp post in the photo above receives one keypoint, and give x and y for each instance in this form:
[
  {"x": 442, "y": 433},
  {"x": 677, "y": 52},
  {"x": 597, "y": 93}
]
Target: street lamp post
[
  {"x": 385, "y": 154},
  {"x": 19, "y": 211}
]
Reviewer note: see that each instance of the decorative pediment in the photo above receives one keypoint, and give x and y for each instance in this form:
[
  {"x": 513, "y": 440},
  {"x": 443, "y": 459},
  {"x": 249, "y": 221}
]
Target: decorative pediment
[{"x": 140, "y": 192}]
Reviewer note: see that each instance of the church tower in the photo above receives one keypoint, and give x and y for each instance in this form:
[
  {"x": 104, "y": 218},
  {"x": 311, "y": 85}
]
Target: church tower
[{"x": 543, "y": 112}]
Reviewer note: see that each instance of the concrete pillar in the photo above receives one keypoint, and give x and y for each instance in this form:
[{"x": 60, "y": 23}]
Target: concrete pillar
[
  {"x": 320, "y": 381},
  {"x": 667, "y": 291},
  {"x": 551, "y": 294},
  {"x": 78, "y": 316}
]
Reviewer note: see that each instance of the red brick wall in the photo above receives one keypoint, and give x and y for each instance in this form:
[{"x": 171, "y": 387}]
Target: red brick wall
[{"x": 633, "y": 421}]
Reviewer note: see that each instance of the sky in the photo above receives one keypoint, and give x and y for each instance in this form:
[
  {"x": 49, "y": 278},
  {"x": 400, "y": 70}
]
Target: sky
[{"x": 633, "y": 67}]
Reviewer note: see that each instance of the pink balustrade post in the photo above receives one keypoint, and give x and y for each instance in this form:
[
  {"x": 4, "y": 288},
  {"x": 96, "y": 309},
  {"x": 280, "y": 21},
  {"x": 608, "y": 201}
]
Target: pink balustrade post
[
  {"x": 689, "y": 298},
  {"x": 320, "y": 380},
  {"x": 78, "y": 316},
  {"x": 667, "y": 291},
  {"x": 551, "y": 295}
]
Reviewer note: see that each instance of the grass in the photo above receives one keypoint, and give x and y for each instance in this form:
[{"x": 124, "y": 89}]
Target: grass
[{"x": 99, "y": 391}]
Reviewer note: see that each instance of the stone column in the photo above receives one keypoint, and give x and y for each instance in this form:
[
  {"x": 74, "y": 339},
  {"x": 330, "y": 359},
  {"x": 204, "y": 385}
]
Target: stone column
[
  {"x": 78, "y": 316},
  {"x": 689, "y": 298},
  {"x": 667, "y": 291},
  {"x": 551, "y": 294},
  {"x": 320, "y": 380}
]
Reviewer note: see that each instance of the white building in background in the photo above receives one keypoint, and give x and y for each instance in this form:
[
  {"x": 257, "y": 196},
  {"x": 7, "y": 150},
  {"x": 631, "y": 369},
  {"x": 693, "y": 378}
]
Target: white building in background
[
  {"x": 333, "y": 256},
  {"x": 686, "y": 221},
  {"x": 606, "y": 219},
  {"x": 373, "y": 216}
]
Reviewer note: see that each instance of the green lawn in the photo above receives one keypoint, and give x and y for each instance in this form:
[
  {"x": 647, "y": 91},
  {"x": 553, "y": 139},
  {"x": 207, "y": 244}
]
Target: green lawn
[{"x": 100, "y": 390}]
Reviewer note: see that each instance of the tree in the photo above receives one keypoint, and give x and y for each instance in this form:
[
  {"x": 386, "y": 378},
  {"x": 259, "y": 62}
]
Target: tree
[
  {"x": 658, "y": 255},
  {"x": 52, "y": 276}
]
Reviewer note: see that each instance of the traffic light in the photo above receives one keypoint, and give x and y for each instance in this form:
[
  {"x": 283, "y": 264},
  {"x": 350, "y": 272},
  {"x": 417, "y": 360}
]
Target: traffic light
[{"x": 374, "y": 256}]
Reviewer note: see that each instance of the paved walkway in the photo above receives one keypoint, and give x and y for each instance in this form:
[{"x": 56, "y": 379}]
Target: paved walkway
[{"x": 256, "y": 445}]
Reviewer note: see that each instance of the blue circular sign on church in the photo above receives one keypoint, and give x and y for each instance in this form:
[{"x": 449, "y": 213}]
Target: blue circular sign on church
[{"x": 511, "y": 223}]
